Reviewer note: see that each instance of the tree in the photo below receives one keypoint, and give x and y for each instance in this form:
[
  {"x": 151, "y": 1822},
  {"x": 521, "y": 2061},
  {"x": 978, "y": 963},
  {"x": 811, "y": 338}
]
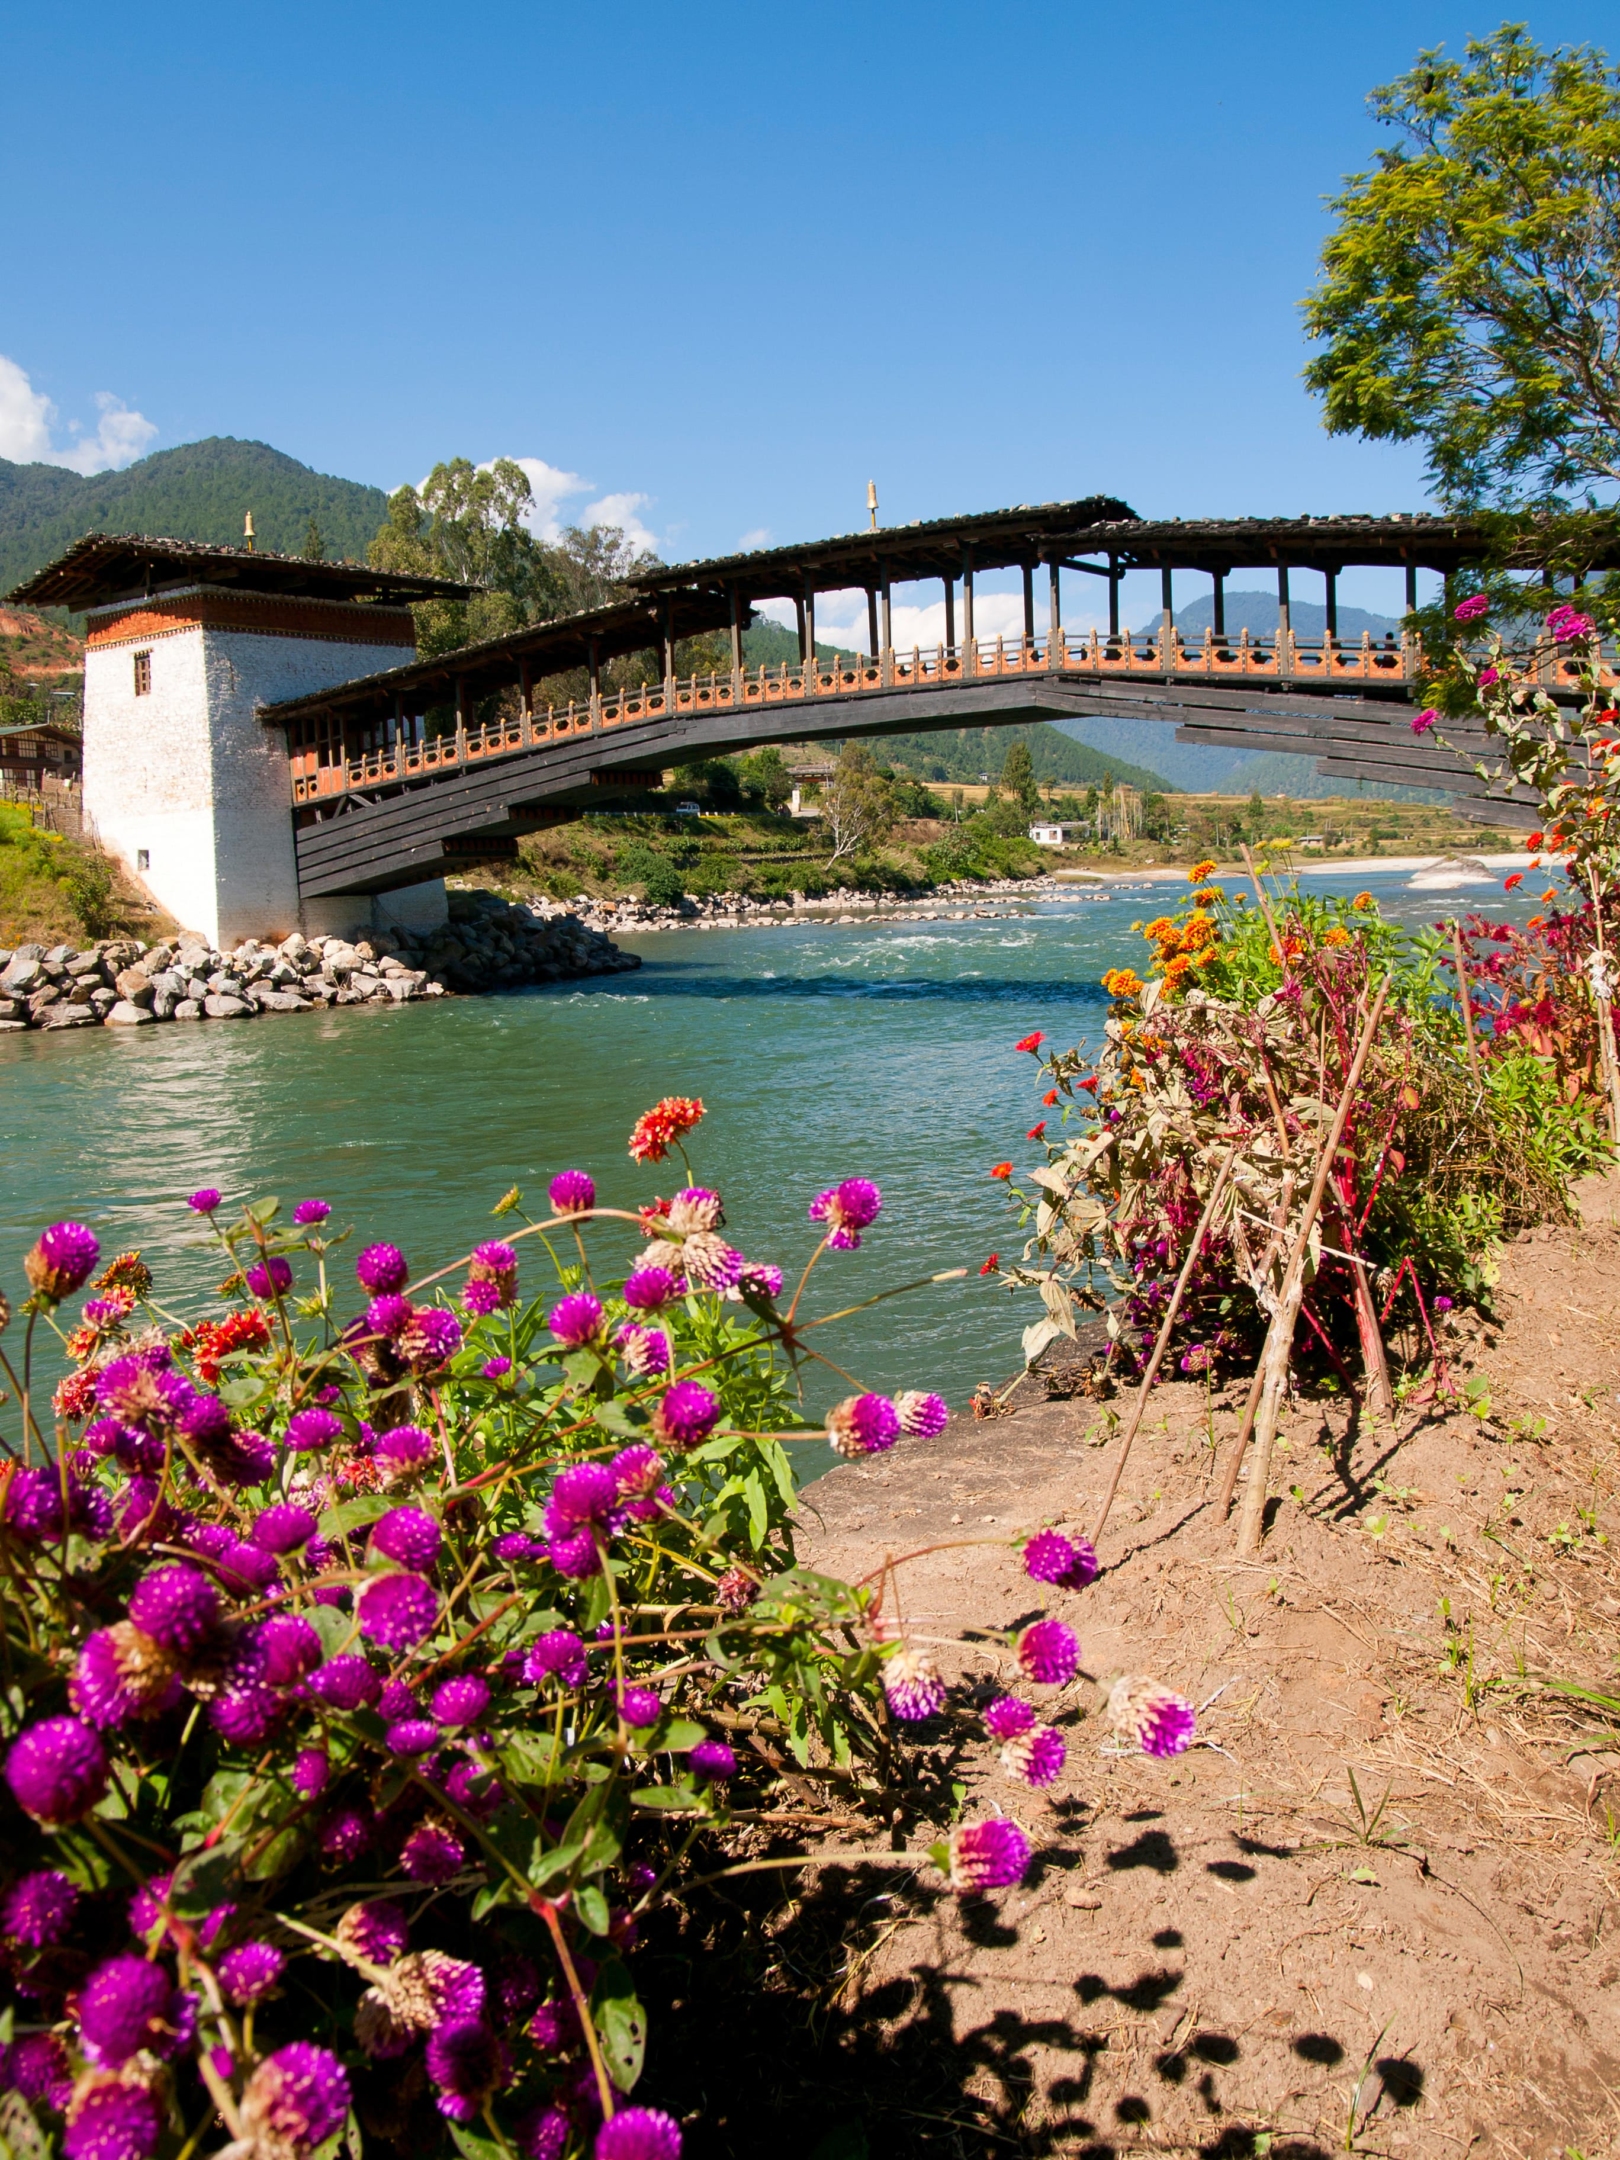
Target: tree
[
  {"x": 314, "y": 543},
  {"x": 857, "y": 802},
  {"x": 1018, "y": 778},
  {"x": 766, "y": 774},
  {"x": 1469, "y": 295}
]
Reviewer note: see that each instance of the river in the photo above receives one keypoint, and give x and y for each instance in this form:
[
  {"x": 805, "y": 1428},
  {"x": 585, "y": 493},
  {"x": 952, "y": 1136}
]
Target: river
[{"x": 821, "y": 1051}]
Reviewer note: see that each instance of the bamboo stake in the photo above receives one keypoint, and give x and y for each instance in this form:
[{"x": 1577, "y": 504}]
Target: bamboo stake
[
  {"x": 1265, "y": 909},
  {"x": 1165, "y": 1326},
  {"x": 1229, "y": 1482},
  {"x": 1466, "y": 1002},
  {"x": 1605, "y": 1012},
  {"x": 1280, "y": 1338}
]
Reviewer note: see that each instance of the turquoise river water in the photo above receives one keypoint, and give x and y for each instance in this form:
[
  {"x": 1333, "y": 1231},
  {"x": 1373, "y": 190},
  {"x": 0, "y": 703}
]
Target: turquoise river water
[{"x": 823, "y": 1051}]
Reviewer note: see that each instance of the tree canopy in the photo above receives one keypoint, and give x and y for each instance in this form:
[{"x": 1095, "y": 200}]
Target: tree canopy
[{"x": 1471, "y": 289}]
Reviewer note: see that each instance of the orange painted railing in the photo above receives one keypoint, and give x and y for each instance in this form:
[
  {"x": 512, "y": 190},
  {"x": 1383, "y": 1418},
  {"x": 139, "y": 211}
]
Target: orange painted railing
[{"x": 1091, "y": 655}]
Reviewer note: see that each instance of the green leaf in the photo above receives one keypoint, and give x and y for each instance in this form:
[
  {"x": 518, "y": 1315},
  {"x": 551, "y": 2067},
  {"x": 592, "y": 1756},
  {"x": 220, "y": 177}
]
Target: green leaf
[
  {"x": 349, "y": 1514},
  {"x": 201, "y": 1881},
  {"x": 592, "y": 1908},
  {"x": 621, "y": 2025},
  {"x": 474, "y": 2145},
  {"x": 263, "y": 1211},
  {"x": 613, "y": 1417},
  {"x": 333, "y": 1627},
  {"x": 665, "y": 1796},
  {"x": 532, "y": 1758},
  {"x": 680, "y": 1734},
  {"x": 244, "y": 1392}
]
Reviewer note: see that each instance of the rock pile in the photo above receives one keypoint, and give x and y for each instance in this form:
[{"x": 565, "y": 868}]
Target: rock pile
[
  {"x": 740, "y": 911},
  {"x": 119, "y": 982}
]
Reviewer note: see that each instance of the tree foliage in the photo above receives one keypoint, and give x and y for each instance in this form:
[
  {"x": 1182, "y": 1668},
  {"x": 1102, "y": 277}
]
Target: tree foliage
[
  {"x": 856, "y": 802},
  {"x": 1469, "y": 296}
]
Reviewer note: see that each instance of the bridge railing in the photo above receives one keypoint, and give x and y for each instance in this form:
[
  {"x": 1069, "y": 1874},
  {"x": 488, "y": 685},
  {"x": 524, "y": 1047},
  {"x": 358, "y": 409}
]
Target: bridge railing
[{"x": 1084, "y": 655}]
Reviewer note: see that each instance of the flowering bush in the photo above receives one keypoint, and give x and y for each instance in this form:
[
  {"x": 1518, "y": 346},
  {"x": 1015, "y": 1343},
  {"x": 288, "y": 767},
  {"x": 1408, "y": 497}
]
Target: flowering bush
[{"x": 375, "y": 1658}]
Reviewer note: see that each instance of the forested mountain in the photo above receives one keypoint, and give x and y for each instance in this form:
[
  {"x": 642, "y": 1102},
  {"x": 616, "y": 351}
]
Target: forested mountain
[{"x": 201, "y": 491}]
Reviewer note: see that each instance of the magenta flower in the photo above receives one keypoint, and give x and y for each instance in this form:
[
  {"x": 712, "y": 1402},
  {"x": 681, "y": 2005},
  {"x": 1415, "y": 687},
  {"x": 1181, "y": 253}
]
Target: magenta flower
[
  {"x": 863, "y": 1425},
  {"x": 345, "y": 1834},
  {"x": 121, "y": 1674},
  {"x": 177, "y": 1606},
  {"x": 375, "y": 1931},
  {"x": 1071, "y": 1563},
  {"x": 113, "y": 2118},
  {"x": 283, "y": 1528},
  {"x": 402, "y": 1448},
  {"x": 311, "y": 1429},
  {"x": 638, "y": 1706},
  {"x": 310, "y": 1212},
  {"x": 637, "y": 1472},
  {"x": 295, "y": 2100},
  {"x": 1160, "y": 1722},
  {"x": 584, "y": 1493},
  {"x": 1049, "y": 1653},
  {"x": 388, "y": 1315},
  {"x": 37, "y": 1908},
  {"x": 412, "y": 1736},
  {"x": 270, "y": 1278},
  {"x": 430, "y": 1337},
  {"x": 514, "y": 1545},
  {"x": 576, "y": 1319},
  {"x": 573, "y": 1192},
  {"x": 480, "y": 1299},
  {"x": 988, "y": 1855},
  {"x": 847, "y": 1209},
  {"x": 348, "y": 1682},
  {"x": 496, "y": 1368},
  {"x": 398, "y": 1611},
  {"x": 61, "y": 1260},
  {"x": 650, "y": 1288},
  {"x": 557, "y": 1655},
  {"x": 497, "y": 1263},
  {"x": 397, "y": 1701},
  {"x": 311, "y": 1769},
  {"x": 37, "y": 2065},
  {"x": 760, "y": 1279},
  {"x": 409, "y": 1536},
  {"x": 250, "y": 1971},
  {"x": 639, "y": 2133},
  {"x": 1425, "y": 720},
  {"x": 914, "y": 1686},
  {"x": 922, "y": 1417},
  {"x": 543, "y": 2134},
  {"x": 645, "y": 1351},
  {"x": 467, "y": 2063},
  {"x": 1471, "y": 609},
  {"x": 1568, "y": 625},
  {"x": 712, "y": 1762},
  {"x": 687, "y": 1413},
  {"x": 1035, "y": 1757},
  {"x": 1007, "y": 1717},
  {"x": 291, "y": 1649},
  {"x": 128, "y": 2004},
  {"x": 205, "y": 1199},
  {"x": 431, "y": 1854},
  {"x": 1487, "y": 676},
  {"x": 382, "y": 1268},
  {"x": 461, "y": 1701}
]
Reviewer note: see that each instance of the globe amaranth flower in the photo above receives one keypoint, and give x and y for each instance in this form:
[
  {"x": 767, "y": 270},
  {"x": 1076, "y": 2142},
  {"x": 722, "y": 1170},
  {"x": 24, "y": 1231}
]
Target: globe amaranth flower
[
  {"x": 411, "y": 1995},
  {"x": 431, "y": 1854},
  {"x": 33, "y": 1506},
  {"x": 38, "y": 1908},
  {"x": 576, "y": 1319},
  {"x": 311, "y": 1429},
  {"x": 694, "y": 1208},
  {"x": 345, "y": 1834},
  {"x": 63, "y": 1257},
  {"x": 645, "y": 1351},
  {"x": 381, "y": 1269},
  {"x": 704, "y": 1258},
  {"x": 572, "y": 1192},
  {"x": 863, "y": 1425},
  {"x": 1471, "y": 609},
  {"x": 388, "y": 1315},
  {"x": 687, "y": 1413},
  {"x": 112, "y": 2115},
  {"x": 177, "y": 1606},
  {"x": 988, "y": 1855},
  {"x": 638, "y": 2133},
  {"x": 542, "y": 2133},
  {"x": 1007, "y": 1717},
  {"x": 398, "y": 1611},
  {"x": 497, "y": 1263},
  {"x": 461, "y": 1701},
  {"x": 649, "y": 1289},
  {"x": 409, "y": 1536},
  {"x": 712, "y": 1762},
  {"x": 638, "y": 1706},
  {"x": 1035, "y": 1757},
  {"x": 514, "y": 1545},
  {"x": 1049, "y": 1653},
  {"x": 205, "y": 1199},
  {"x": 250, "y": 1971},
  {"x": 480, "y": 1299},
  {"x": 759, "y": 1279},
  {"x": 657, "y": 1130},
  {"x": 584, "y": 1493},
  {"x": 735, "y": 1591},
  {"x": 346, "y": 1682},
  {"x": 374, "y": 1931},
  {"x": 295, "y": 2100},
  {"x": 412, "y": 1736},
  {"x": 496, "y": 1368},
  {"x": 284, "y": 1528},
  {"x": 271, "y": 1277},
  {"x": 467, "y": 2062},
  {"x": 1159, "y": 1721},
  {"x": 847, "y": 1209},
  {"x": 431, "y": 1337},
  {"x": 37, "y": 2066},
  {"x": 121, "y": 1674},
  {"x": 914, "y": 1686},
  {"x": 400, "y": 1450},
  {"x": 128, "y": 2004},
  {"x": 291, "y": 1649},
  {"x": 398, "y": 1700},
  {"x": 1050, "y": 1557},
  {"x": 312, "y": 1767},
  {"x": 556, "y": 1655},
  {"x": 308, "y": 1213},
  {"x": 922, "y": 1417}
]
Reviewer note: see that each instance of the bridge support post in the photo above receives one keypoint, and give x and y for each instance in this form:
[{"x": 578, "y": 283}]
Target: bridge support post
[
  {"x": 1411, "y": 588},
  {"x": 886, "y": 655},
  {"x": 872, "y": 644},
  {"x": 736, "y": 632},
  {"x": 967, "y": 611},
  {"x": 950, "y": 613},
  {"x": 1029, "y": 604},
  {"x": 1167, "y": 619},
  {"x": 1330, "y": 580},
  {"x": 809, "y": 625},
  {"x": 1285, "y": 628},
  {"x": 1219, "y": 577},
  {"x": 1054, "y": 631},
  {"x": 596, "y": 679},
  {"x": 1113, "y": 596}
]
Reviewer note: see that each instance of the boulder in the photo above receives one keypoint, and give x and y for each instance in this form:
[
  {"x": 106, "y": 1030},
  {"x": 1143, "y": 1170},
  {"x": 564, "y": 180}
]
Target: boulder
[
  {"x": 42, "y": 999},
  {"x": 188, "y": 1009},
  {"x": 134, "y": 986},
  {"x": 220, "y": 1005},
  {"x": 69, "y": 1015},
  {"x": 23, "y": 973},
  {"x": 125, "y": 1014},
  {"x": 103, "y": 999},
  {"x": 278, "y": 1000}
]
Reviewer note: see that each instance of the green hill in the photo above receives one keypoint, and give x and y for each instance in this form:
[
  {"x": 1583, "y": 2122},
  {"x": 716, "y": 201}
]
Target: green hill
[{"x": 199, "y": 492}]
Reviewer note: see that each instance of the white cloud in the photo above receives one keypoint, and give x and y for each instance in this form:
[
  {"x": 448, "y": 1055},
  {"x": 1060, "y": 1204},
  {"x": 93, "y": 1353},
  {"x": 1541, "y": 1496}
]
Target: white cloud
[
  {"x": 28, "y": 419},
  {"x": 760, "y": 537},
  {"x": 622, "y": 510},
  {"x": 841, "y": 619},
  {"x": 552, "y": 488}
]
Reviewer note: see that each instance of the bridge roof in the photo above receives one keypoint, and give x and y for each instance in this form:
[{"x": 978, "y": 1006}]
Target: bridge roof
[
  {"x": 106, "y": 567},
  {"x": 1097, "y": 525},
  {"x": 549, "y": 648}
]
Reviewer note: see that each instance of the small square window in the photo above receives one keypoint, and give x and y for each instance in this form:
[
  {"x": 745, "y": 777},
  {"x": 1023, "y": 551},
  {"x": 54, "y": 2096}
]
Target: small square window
[
  {"x": 143, "y": 858},
  {"x": 143, "y": 674}
]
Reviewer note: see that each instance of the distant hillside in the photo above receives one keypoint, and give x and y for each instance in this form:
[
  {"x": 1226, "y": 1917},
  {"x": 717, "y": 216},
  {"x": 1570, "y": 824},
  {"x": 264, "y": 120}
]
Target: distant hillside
[{"x": 199, "y": 492}]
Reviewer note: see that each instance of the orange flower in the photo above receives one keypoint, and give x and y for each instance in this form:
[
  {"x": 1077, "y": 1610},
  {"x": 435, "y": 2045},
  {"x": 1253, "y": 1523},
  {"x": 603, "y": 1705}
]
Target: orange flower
[
  {"x": 991, "y": 1264},
  {"x": 128, "y": 1272},
  {"x": 1338, "y": 935},
  {"x": 1199, "y": 871},
  {"x": 1050, "y": 1097},
  {"x": 1037, "y": 1132},
  {"x": 1122, "y": 983},
  {"x": 1178, "y": 966},
  {"x": 656, "y": 1130},
  {"x": 1550, "y": 894},
  {"x": 1362, "y": 900},
  {"x": 1031, "y": 1042},
  {"x": 1002, "y": 1170},
  {"x": 1535, "y": 840}
]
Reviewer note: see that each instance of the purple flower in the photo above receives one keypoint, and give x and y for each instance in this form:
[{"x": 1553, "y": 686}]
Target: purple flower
[
  {"x": 1442, "y": 1304},
  {"x": 576, "y": 1554},
  {"x": 295, "y": 2100},
  {"x": 205, "y": 1199},
  {"x": 557, "y": 1655},
  {"x": 712, "y": 1762},
  {"x": 848, "y": 1209},
  {"x": 988, "y": 1855},
  {"x": 638, "y": 1471},
  {"x": 863, "y": 1425},
  {"x": 573, "y": 1192},
  {"x": 375, "y": 1931},
  {"x": 283, "y": 1528},
  {"x": 584, "y": 1493},
  {"x": 1049, "y": 1653},
  {"x": 914, "y": 1685},
  {"x": 291, "y": 1647},
  {"x": 105, "y": 1311},
  {"x": 246, "y": 1459},
  {"x": 270, "y": 1278},
  {"x": 311, "y": 1429},
  {"x": 397, "y": 1611},
  {"x": 398, "y": 1701},
  {"x": 412, "y": 1736},
  {"x": 543, "y": 2133},
  {"x": 1471, "y": 609},
  {"x": 760, "y": 1279},
  {"x": 38, "y": 1908},
  {"x": 310, "y": 1211},
  {"x": 61, "y": 1260},
  {"x": 1035, "y": 1757},
  {"x": 345, "y": 1834},
  {"x": 497, "y": 1264},
  {"x": 650, "y": 1288},
  {"x": 251, "y": 1970},
  {"x": 1424, "y": 721},
  {"x": 1567, "y": 624},
  {"x": 1161, "y": 1723},
  {"x": 467, "y": 2063},
  {"x": 514, "y": 1545},
  {"x": 402, "y": 1448},
  {"x": 922, "y": 1417},
  {"x": 177, "y": 1606},
  {"x": 37, "y": 2066},
  {"x": 638, "y": 1706},
  {"x": 639, "y": 2133},
  {"x": 121, "y": 1674},
  {"x": 112, "y": 2117},
  {"x": 461, "y": 1701},
  {"x": 1007, "y": 1717},
  {"x": 431, "y": 1337},
  {"x": 1487, "y": 676},
  {"x": 408, "y": 1536},
  {"x": 388, "y": 1315},
  {"x": 311, "y": 1768},
  {"x": 576, "y": 1320},
  {"x": 496, "y": 1368},
  {"x": 645, "y": 1351},
  {"x": 245, "y": 1715},
  {"x": 1050, "y": 1557},
  {"x": 480, "y": 1299},
  {"x": 687, "y": 1413},
  {"x": 382, "y": 1268},
  {"x": 128, "y": 2004},
  {"x": 431, "y": 1854},
  {"x": 347, "y": 1682}
]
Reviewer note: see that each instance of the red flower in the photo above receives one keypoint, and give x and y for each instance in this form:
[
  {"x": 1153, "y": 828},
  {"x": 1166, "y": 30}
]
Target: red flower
[
  {"x": 1090, "y": 1085},
  {"x": 991, "y": 1264},
  {"x": 1030, "y": 1042},
  {"x": 1517, "y": 878},
  {"x": 1002, "y": 1170},
  {"x": 1036, "y": 1132},
  {"x": 656, "y": 1130},
  {"x": 1050, "y": 1097},
  {"x": 1535, "y": 840}
]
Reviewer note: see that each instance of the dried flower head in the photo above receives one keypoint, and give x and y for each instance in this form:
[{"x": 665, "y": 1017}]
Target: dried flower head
[
  {"x": 1159, "y": 1721},
  {"x": 987, "y": 1855}
]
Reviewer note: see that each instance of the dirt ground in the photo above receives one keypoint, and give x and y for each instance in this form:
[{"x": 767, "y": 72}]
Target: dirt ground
[{"x": 1374, "y": 1909}]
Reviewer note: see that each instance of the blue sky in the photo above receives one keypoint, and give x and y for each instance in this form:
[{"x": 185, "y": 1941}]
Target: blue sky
[{"x": 727, "y": 261}]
